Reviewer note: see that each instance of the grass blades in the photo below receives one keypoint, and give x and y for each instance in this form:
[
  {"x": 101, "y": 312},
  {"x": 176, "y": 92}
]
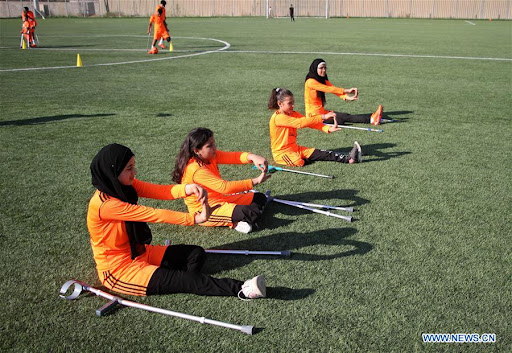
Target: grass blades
[{"x": 429, "y": 251}]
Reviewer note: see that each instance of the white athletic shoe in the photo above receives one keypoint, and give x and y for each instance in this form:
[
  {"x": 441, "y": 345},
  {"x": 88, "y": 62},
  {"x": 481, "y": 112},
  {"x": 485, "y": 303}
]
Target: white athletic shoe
[
  {"x": 243, "y": 227},
  {"x": 254, "y": 288}
]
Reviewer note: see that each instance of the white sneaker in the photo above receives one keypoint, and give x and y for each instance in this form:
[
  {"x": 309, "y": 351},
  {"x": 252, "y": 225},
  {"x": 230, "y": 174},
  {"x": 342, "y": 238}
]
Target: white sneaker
[
  {"x": 243, "y": 227},
  {"x": 253, "y": 288}
]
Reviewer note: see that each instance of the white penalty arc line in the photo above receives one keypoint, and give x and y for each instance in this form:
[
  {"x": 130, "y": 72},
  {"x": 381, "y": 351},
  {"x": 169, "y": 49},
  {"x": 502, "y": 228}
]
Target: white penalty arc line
[
  {"x": 471, "y": 23},
  {"x": 369, "y": 54},
  {"x": 226, "y": 46}
]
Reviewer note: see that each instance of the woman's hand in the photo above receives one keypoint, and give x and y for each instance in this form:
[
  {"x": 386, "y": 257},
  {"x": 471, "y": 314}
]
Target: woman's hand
[
  {"x": 206, "y": 211},
  {"x": 204, "y": 215},
  {"x": 259, "y": 161},
  {"x": 197, "y": 190},
  {"x": 330, "y": 115},
  {"x": 260, "y": 179},
  {"x": 351, "y": 94}
]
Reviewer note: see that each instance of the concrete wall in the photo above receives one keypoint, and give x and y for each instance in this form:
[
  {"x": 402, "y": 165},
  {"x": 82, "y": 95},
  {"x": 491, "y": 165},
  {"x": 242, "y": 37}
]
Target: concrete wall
[{"x": 464, "y": 9}]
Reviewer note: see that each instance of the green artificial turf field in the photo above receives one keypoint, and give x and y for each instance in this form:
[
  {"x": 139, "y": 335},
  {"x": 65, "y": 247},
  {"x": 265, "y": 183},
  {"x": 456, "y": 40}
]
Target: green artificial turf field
[{"x": 429, "y": 252}]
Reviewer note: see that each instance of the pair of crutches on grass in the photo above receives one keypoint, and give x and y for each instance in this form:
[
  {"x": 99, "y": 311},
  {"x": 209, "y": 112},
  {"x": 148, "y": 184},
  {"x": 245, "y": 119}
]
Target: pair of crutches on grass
[{"x": 313, "y": 207}]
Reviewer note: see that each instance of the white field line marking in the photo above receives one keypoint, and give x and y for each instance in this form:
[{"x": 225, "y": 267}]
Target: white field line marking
[
  {"x": 471, "y": 23},
  {"x": 369, "y": 54},
  {"x": 226, "y": 46}
]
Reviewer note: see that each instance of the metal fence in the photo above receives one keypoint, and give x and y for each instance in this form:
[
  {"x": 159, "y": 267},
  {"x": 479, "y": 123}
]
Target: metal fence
[{"x": 464, "y": 9}]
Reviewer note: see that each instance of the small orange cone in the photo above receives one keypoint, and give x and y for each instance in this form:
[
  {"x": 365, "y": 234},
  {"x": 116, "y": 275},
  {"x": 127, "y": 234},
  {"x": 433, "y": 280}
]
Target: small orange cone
[
  {"x": 171, "y": 48},
  {"x": 78, "y": 61}
]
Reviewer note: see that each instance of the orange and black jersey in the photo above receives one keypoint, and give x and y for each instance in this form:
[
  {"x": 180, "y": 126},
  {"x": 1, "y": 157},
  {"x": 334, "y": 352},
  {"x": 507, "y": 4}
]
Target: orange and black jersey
[
  {"x": 208, "y": 176},
  {"x": 283, "y": 130},
  {"x": 312, "y": 101},
  {"x": 106, "y": 218}
]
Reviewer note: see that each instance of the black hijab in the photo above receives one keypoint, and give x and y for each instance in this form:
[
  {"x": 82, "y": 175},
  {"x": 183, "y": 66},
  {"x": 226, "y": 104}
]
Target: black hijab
[
  {"x": 313, "y": 73},
  {"x": 106, "y": 166}
]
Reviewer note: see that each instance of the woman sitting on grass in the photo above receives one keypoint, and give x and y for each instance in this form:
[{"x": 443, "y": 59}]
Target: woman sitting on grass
[
  {"x": 120, "y": 237},
  {"x": 317, "y": 85},
  {"x": 283, "y": 133},
  {"x": 232, "y": 205}
]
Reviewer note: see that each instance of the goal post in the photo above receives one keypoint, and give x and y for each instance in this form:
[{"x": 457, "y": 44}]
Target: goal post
[{"x": 301, "y": 8}]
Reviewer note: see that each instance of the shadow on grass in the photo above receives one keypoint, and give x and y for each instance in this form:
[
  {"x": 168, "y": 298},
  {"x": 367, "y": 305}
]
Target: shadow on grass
[
  {"x": 47, "y": 119},
  {"x": 164, "y": 115},
  {"x": 352, "y": 200},
  {"x": 288, "y": 241},
  {"x": 376, "y": 151},
  {"x": 391, "y": 115}
]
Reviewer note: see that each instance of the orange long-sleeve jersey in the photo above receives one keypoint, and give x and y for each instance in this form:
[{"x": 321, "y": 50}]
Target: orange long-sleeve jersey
[
  {"x": 208, "y": 176},
  {"x": 158, "y": 22},
  {"x": 312, "y": 102},
  {"x": 29, "y": 16},
  {"x": 159, "y": 6},
  {"x": 283, "y": 130},
  {"x": 106, "y": 218}
]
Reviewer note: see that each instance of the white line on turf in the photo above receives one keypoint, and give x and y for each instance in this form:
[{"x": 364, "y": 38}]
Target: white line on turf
[
  {"x": 226, "y": 46},
  {"x": 471, "y": 23},
  {"x": 369, "y": 54}
]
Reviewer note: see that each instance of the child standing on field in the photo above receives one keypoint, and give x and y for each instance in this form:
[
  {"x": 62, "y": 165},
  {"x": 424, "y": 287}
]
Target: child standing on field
[
  {"x": 160, "y": 30},
  {"x": 232, "y": 205},
  {"x": 283, "y": 133},
  {"x": 162, "y": 6},
  {"x": 317, "y": 85},
  {"x": 29, "y": 24}
]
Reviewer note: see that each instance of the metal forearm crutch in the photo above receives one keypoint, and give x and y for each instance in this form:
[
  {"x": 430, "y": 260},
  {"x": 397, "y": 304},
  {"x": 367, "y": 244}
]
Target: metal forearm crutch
[
  {"x": 241, "y": 252},
  {"x": 346, "y": 209},
  {"x": 305, "y": 207},
  {"x": 302, "y": 206},
  {"x": 272, "y": 169},
  {"x": 114, "y": 300},
  {"x": 356, "y": 128}
]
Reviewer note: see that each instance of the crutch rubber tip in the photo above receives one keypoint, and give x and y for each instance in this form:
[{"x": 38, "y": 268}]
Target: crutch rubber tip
[
  {"x": 331, "y": 176},
  {"x": 286, "y": 253},
  {"x": 247, "y": 329}
]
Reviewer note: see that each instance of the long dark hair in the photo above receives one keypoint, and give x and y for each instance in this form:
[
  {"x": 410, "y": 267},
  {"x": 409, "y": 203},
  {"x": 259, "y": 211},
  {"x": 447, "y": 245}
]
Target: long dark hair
[
  {"x": 278, "y": 95},
  {"x": 313, "y": 73},
  {"x": 194, "y": 140}
]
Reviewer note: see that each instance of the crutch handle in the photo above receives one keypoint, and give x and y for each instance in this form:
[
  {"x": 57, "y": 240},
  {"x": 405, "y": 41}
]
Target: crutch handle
[{"x": 107, "y": 308}]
